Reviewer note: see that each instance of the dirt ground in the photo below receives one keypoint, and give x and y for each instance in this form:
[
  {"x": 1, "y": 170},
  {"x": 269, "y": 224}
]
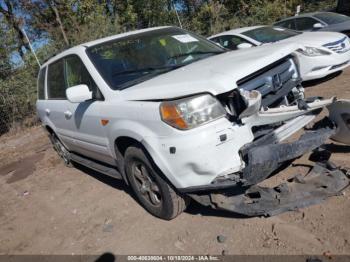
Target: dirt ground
[{"x": 47, "y": 208}]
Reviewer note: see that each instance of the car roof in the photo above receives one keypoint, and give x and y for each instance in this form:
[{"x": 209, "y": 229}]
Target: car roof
[
  {"x": 237, "y": 30},
  {"x": 302, "y": 15},
  {"x": 113, "y": 37},
  {"x": 99, "y": 41}
]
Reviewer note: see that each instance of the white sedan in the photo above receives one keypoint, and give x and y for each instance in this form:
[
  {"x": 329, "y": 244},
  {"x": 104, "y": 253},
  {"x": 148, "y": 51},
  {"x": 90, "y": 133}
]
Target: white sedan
[{"x": 321, "y": 53}]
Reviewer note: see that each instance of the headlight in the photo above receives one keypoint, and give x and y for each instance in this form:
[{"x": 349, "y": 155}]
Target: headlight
[
  {"x": 188, "y": 113},
  {"x": 313, "y": 51}
]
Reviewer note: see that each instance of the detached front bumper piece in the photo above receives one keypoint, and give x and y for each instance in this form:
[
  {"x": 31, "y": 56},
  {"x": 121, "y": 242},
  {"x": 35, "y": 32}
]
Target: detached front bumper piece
[{"x": 298, "y": 192}]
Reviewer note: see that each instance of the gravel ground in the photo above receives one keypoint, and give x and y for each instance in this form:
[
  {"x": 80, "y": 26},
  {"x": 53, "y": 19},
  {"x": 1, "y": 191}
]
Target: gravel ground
[{"x": 47, "y": 208}]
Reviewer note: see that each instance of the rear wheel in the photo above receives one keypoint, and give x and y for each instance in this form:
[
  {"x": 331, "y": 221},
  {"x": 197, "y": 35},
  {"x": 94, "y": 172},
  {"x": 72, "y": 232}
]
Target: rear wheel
[
  {"x": 151, "y": 189},
  {"x": 61, "y": 150}
]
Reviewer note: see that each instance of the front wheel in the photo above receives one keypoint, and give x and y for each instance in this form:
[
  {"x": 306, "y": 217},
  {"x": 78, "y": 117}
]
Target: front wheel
[
  {"x": 151, "y": 189},
  {"x": 61, "y": 150}
]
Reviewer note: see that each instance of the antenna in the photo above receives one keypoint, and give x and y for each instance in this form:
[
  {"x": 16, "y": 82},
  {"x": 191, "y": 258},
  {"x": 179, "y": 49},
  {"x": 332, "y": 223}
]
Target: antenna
[
  {"x": 177, "y": 15},
  {"x": 30, "y": 46}
]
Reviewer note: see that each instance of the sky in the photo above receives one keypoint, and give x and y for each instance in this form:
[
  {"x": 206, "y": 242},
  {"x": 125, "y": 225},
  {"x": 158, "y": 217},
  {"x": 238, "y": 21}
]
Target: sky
[{"x": 36, "y": 43}]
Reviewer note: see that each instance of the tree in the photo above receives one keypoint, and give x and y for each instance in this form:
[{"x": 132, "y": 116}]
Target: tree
[
  {"x": 8, "y": 10},
  {"x": 6, "y": 46}
]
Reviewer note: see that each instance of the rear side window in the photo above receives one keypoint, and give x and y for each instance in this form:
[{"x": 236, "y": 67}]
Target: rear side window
[
  {"x": 41, "y": 84},
  {"x": 56, "y": 88},
  {"x": 305, "y": 23}
]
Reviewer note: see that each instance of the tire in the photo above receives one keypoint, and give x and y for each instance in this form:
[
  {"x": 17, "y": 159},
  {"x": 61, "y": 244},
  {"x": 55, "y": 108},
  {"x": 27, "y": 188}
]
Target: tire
[
  {"x": 151, "y": 189},
  {"x": 61, "y": 150}
]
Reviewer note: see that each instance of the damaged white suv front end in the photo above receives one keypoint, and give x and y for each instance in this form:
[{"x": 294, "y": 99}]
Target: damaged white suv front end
[{"x": 208, "y": 124}]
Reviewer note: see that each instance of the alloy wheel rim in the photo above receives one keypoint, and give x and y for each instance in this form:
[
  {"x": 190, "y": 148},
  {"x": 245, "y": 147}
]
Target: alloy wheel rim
[
  {"x": 62, "y": 151},
  {"x": 146, "y": 185}
]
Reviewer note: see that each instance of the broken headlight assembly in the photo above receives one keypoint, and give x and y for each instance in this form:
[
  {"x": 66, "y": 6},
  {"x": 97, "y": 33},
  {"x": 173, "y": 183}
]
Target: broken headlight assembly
[
  {"x": 191, "y": 112},
  {"x": 252, "y": 100},
  {"x": 313, "y": 51}
]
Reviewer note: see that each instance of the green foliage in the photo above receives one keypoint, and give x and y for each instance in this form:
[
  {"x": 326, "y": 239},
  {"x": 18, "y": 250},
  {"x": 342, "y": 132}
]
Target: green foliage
[{"x": 71, "y": 22}]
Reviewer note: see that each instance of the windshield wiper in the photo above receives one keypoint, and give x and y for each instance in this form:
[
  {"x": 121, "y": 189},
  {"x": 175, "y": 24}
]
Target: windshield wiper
[
  {"x": 145, "y": 69},
  {"x": 197, "y": 53}
]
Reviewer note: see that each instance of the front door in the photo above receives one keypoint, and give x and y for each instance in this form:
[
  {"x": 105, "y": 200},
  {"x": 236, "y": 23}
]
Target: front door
[{"x": 87, "y": 125}]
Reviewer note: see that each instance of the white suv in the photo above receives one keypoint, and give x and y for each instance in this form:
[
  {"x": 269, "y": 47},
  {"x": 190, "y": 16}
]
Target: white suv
[{"x": 178, "y": 117}]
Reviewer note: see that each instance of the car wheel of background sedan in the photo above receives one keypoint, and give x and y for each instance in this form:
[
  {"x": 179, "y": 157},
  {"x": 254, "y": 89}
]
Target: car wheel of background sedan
[
  {"x": 61, "y": 150},
  {"x": 151, "y": 190}
]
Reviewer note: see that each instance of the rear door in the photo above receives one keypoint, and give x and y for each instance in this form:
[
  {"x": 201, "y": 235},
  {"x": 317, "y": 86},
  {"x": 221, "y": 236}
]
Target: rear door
[{"x": 86, "y": 122}]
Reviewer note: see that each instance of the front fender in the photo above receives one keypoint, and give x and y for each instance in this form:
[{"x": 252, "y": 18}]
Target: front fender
[{"x": 143, "y": 135}]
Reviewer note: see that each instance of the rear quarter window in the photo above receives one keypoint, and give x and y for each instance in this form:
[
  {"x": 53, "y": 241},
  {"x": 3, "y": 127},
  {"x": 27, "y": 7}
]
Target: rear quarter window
[
  {"x": 56, "y": 88},
  {"x": 41, "y": 84}
]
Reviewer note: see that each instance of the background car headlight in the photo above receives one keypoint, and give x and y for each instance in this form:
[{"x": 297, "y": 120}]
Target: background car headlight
[
  {"x": 313, "y": 51},
  {"x": 191, "y": 112}
]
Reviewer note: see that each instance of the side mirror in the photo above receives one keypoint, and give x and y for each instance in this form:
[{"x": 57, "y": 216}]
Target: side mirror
[
  {"x": 318, "y": 26},
  {"x": 244, "y": 46},
  {"x": 78, "y": 94}
]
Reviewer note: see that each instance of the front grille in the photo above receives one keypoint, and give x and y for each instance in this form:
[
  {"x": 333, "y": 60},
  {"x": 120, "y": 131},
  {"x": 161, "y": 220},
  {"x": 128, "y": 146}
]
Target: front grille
[
  {"x": 341, "y": 46},
  {"x": 273, "y": 82}
]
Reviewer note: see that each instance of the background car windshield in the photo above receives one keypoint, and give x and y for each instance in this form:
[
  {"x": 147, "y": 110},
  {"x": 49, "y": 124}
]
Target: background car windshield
[
  {"x": 332, "y": 18},
  {"x": 270, "y": 34},
  {"x": 136, "y": 58}
]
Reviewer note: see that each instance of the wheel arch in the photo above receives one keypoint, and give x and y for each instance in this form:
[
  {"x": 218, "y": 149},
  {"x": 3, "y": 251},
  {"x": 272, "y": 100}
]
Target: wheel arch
[{"x": 121, "y": 144}]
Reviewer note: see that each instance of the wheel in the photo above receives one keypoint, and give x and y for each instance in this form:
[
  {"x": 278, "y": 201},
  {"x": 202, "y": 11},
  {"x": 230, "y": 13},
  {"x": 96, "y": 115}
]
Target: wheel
[
  {"x": 61, "y": 150},
  {"x": 151, "y": 189}
]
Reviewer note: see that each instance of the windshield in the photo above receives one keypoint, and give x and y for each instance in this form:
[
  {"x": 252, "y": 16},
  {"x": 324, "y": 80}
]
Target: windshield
[
  {"x": 136, "y": 58},
  {"x": 270, "y": 34},
  {"x": 332, "y": 18}
]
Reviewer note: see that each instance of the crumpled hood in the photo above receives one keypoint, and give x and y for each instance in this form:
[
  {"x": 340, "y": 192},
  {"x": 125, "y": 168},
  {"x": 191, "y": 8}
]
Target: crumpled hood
[
  {"x": 217, "y": 74},
  {"x": 315, "y": 39}
]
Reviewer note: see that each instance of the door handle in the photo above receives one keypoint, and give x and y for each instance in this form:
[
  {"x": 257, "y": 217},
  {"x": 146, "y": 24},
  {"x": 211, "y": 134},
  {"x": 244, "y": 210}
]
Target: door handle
[
  {"x": 47, "y": 111},
  {"x": 68, "y": 114}
]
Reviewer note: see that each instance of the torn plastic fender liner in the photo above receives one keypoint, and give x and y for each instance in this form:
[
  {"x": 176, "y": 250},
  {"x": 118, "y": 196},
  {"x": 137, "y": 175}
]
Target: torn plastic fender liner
[
  {"x": 339, "y": 113},
  {"x": 298, "y": 192},
  {"x": 263, "y": 160}
]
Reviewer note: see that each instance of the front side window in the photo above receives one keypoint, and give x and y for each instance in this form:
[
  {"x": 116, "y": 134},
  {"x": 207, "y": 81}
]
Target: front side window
[
  {"x": 230, "y": 41},
  {"x": 332, "y": 18},
  {"x": 41, "y": 84},
  {"x": 305, "y": 23},
  {"x": 270, "y": 34},
  {"x": 77, "y": 74},
  {"x": 289, "y": 24},
  {"x": 136, "y": 58},
  {"x": 56, "y": 88}
]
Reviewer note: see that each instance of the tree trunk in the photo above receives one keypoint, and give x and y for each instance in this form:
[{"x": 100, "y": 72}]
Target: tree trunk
[{"x": 59, "y": 21}]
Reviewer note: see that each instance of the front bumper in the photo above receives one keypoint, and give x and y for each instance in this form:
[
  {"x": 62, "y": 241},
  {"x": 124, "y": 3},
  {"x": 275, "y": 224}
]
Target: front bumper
[
  {"x": 263, "y": 157},
  {"x": 298, "y": 192},
  {"x": 318, "y": 67}
]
